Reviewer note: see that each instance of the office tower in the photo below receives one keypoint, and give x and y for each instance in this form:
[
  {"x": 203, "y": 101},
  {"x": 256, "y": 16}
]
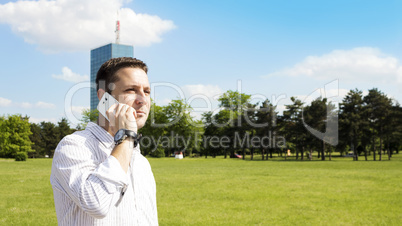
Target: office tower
[{"x": 101, "y": 55}]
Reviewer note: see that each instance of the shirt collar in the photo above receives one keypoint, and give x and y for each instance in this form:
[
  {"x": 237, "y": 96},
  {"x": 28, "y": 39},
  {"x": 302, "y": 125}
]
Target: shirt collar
[{"x": 101, "y": 134}]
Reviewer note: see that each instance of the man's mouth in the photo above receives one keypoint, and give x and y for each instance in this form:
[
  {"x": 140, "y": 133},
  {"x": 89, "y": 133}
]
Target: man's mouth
[{"x": 140, "y": 113}]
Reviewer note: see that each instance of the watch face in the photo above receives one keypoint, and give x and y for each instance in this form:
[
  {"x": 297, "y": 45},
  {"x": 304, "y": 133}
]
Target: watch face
[{"x": 119, "y": 135}]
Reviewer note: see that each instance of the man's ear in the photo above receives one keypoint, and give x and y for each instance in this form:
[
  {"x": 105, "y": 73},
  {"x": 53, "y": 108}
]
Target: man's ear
[{"x": 100, "y": 93}]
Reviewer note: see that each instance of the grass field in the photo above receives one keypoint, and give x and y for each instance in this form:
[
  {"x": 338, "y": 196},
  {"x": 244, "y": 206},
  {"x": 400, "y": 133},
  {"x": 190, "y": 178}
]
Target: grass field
[{"x": 234, "y": 192}]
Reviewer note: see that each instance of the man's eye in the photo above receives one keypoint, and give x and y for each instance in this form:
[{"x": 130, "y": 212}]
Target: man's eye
[{"x": 148, "y": 91}]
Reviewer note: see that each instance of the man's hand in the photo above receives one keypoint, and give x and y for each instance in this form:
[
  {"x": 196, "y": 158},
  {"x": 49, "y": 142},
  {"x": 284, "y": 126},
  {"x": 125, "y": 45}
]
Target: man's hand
[{"x": 121, "y": 116}]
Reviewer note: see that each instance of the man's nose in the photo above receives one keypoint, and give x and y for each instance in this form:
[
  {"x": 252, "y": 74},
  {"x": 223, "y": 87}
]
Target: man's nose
[{"x": 140, "y": 98}]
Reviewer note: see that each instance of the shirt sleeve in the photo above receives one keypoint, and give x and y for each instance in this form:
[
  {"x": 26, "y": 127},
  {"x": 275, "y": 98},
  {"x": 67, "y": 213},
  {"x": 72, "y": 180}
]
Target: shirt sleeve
[{"x": 92, "y": 185}]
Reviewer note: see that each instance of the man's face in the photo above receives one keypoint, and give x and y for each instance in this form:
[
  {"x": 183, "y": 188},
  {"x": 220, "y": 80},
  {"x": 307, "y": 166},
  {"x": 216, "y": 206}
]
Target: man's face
[{"x": 132, "y": 88}]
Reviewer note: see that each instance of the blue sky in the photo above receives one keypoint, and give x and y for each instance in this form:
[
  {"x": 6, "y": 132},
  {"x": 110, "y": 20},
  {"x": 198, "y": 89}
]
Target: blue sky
[{"x": 271, "y": 49}]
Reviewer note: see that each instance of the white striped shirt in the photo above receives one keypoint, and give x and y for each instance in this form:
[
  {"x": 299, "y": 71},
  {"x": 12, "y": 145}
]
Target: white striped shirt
[{"x": 87, "y": 183}]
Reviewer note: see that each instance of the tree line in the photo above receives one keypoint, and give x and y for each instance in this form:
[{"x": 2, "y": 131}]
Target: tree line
[
  {"x": 21, "y": 139},
  {"x": 365, "y": 125}
]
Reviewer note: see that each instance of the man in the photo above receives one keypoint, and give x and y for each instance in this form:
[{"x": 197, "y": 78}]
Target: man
[{"x": 99, "y": 177}]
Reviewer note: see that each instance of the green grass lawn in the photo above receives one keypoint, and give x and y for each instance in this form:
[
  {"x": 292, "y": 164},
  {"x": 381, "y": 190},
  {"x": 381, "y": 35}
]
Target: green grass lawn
[{"x": 234, "y": 192}]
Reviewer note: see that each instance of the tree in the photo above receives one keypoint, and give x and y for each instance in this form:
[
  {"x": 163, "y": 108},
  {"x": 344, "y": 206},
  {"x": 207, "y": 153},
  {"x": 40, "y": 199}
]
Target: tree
[
  {"x": 378, "y": 107},
  {"x": 182, "y": 128},
  {"x": 317, "y": 115},
  {"x": 352, "y": 119},
  {"x": 266, "y": 117},
  {"x": 294, "y": 130},
  {"x": 170, "y": 128},
  {"x": 314, "y": 115},
  {"x": 153, "y": 130},
  {"x": 396, "y": 135},
  {"x": 217, "y": 126},
  {"x": 63, "y": 128},
  {"x": 3, "y": 137},
  {"x": 251, "y": 127},
  {"x": 46, "y": 135},
  {"x": 88, "y": 116},
  {"x": 393, "y": 129},
  {"x": 210, "y": 130},
  {"x": 14, "y": 136},
  {"x": 38, "y": 145},
  {"x": 244, "y": 126},
  {"x": 234, "y": 101},
  {"x": 50, "y": 136},
  {"x": 235, "y": 105}
]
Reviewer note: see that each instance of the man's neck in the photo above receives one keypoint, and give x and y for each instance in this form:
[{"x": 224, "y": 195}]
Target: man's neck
[{"x": 104, "y": 124}]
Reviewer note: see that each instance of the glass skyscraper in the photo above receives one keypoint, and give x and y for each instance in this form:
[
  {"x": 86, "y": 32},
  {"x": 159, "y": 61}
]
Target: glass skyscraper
[{"x": 101, "y": 55}]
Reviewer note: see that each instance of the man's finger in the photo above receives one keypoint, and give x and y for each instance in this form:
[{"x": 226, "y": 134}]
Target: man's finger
[
  {"x": 110, "y": 111},
  {"x": 123, "y": 110},
  {"x": 131, "y": 115},
  {"x": 119, "y": 109}
]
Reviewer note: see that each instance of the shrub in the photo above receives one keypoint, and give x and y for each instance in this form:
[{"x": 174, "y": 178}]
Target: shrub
[
  {"x": 158, "y": 153},
  {"x": 21, "y": 156}
]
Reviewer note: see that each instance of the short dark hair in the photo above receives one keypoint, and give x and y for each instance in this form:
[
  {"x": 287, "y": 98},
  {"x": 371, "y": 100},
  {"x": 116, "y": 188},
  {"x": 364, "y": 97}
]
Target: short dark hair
[{"x": 107, "y": 72}]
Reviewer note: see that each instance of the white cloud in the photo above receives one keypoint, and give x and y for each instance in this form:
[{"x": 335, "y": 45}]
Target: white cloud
[
  {"x": 163, "y": 102},
  {"x": 4, "y": 102},
  {"x": 44, "y": 105},
  {"x": 38, "y": 120},
  {"x": 196, "y": 115},
  {"x": 201, "y": 97},
  {"x": 39, "y": 104},
  {"x": 333, "y": 95},
  {"x": 70, "y": 76},
  {"x": 73, "y": 25},
  {"x": 78, "y": 109},
  {"x": 355, "y": 65},
  {"x": 206, "y": 90},
  {"x": 24, "y": 105}
]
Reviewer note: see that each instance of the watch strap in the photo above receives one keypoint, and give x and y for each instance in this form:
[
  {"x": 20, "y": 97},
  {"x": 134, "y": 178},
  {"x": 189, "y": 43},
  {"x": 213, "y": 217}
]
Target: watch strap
[{"x": 128, "y": 133}]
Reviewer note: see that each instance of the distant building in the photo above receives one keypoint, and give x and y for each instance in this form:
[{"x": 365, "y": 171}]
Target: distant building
[{"x": 101, "y": 55}]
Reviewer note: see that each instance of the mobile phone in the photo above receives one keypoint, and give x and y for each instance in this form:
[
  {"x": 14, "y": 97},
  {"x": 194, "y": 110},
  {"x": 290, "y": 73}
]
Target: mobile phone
[{"x": 105, "y": 103}]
